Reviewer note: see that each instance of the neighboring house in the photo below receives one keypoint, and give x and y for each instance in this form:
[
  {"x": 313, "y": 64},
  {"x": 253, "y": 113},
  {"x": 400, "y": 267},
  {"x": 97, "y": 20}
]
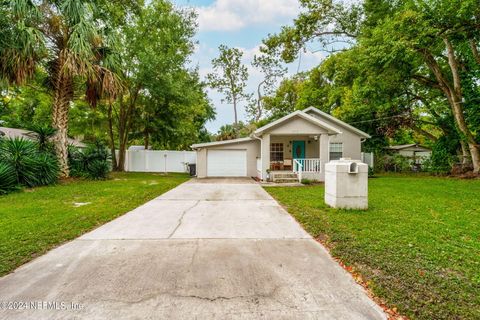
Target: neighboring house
[
  {"x": 26, "y": 134},
  {"x": 138, "y": 148},
  {"x": 415, "y": 152},
  {"x": 301, "y": 142}
]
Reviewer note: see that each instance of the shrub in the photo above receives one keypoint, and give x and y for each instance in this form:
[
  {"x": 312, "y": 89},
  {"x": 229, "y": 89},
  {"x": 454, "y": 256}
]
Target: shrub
[
  {"x": 20, "y": 155},
  {"x": 307, "y": 181},
  {"x": 48, "y": 169},
  {"x": 371, "y": 172},
  {"x": 31, "y": 166},
  {"x": 442, "y": 158},
  {"x": 97, "y": 169},
  {"x": 42, "y": 134},
  {"x": 75, "y": 161},
  {"x": 396, "y": 163},
  {"x": 8, "y": 178},
  {"x": 93, "y": 163}
]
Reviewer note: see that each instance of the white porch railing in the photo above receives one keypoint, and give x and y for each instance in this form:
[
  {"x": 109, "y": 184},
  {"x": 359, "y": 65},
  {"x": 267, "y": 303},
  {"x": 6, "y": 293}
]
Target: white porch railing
[
  {"x": 298, "y": 169},
  {"x": 309, "y": 165},
  {"x": 301, "y": 166}
]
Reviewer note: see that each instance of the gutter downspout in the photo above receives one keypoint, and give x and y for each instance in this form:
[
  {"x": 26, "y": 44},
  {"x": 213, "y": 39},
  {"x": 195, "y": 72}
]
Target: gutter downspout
[{"x": 261, "y": 153}]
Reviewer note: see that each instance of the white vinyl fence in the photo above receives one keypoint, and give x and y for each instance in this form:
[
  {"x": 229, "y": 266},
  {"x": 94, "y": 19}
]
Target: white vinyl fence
[
  {"x": 367, "y": 157},
  {"x": 159, "y": 160}
]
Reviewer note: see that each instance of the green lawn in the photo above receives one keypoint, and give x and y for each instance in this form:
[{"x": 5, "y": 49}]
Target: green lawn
[
  {"x": 35, "y": 220},
  {"x": 418, "y": 246}
]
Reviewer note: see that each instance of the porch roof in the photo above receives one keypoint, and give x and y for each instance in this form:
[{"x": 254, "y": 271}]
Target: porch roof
[{"x": 330, "y": 129}]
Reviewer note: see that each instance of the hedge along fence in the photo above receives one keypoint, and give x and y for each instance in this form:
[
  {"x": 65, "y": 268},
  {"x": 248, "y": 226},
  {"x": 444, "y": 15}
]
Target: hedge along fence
[{"x": 92, "y": 162}]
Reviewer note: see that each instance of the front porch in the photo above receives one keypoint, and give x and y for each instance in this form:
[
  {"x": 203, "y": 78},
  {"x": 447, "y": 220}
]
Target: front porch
[{"x": 291, "y": 158}]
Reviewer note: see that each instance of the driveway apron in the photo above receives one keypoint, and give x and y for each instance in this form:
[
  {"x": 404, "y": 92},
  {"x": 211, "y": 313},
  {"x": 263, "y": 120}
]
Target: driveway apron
[{"x": 208, "y": 249}]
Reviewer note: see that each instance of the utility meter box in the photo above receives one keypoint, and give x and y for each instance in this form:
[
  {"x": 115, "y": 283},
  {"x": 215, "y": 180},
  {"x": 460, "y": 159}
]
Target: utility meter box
[{"x": 346, "y": 184}]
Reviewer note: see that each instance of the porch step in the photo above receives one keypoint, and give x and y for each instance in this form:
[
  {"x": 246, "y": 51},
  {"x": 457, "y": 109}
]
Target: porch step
[
  {"x": 284, "y": 177},
  {"x": 285, "y": 180}
]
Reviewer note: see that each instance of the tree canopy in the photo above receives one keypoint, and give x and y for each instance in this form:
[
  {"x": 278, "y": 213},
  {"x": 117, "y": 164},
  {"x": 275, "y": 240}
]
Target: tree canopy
[
  {"x": 229, "y": 76},
  {"x": 408, "y": 65},
  {"x": 117, "y": 72}
]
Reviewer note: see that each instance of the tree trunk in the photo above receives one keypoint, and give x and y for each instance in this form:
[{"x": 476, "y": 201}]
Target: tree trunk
[
  {"x": 121, "y": 157},
  {"x": 111, "y": 136},
  {"x": 146, "y": 139},
  {"x": 124, "y": 125},
  {"x": 122, "y": 145},
  {"x": 465, "y": 153},
  {"x": 457, "y": 101},
  {"x": 235, "y": 109},
  {"x": 424, "y": 133},
  {"x": 259, "y": 101},
  {"x": 476, "y": 54},
  {"x": 454, "y": 97},
  {"x": 61, "y": 101}
]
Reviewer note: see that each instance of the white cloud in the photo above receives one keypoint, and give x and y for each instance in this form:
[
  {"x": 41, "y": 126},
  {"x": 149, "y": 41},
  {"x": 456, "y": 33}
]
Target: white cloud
[{"x": 229, "y": 15}]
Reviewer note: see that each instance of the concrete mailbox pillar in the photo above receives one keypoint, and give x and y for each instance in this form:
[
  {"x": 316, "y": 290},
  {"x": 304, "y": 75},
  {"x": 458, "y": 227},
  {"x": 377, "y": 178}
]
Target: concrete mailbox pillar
[{"x": 346, "y": 184}]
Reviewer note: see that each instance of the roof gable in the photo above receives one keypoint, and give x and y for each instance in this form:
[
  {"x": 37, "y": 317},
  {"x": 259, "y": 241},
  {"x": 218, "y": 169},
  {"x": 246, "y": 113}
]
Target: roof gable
[
  {"x": 336, "y": 121},
  {"x": 316, "y": 122},
  {"x": 408, "y": 147}
]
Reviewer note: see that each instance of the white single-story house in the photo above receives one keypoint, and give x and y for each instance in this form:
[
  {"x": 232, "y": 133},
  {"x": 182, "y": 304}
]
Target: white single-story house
[
  {"x": 415, "y": 152},
  {"x": 295, "y": 146}
]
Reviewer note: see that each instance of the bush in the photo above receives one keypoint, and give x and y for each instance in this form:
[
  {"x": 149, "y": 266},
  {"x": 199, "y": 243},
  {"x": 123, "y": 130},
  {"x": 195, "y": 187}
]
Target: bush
[
  {"x": 442, "y": 158},
  {"x": 371, "y": 172},
  {"x": 75, "y": 161},
  {"x": 48, "y": 169},
  {"x": 92, "y": 163},
  {"x": 8, "y": 178},
  {"x": 307, "y": 181},
  {"x": 31, "y": 167},
  {"x": 43, "y": 134},
  {"x": 396, "y": 163}
]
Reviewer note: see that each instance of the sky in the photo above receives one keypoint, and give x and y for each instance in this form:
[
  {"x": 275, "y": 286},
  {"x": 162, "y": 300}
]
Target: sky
[{"x": 241, "y": 24}]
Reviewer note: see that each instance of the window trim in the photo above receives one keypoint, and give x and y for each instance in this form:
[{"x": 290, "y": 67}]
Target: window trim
[{"x": 279, "y": 150}]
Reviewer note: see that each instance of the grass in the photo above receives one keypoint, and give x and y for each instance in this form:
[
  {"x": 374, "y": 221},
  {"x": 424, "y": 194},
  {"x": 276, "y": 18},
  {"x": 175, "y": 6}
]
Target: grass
[
  {"x": 418, "y": 245},
  {"x": 36, "y": 220}
]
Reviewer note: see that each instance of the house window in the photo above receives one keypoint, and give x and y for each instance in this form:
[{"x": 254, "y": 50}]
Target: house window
[
  {"x": 336, "y": 150},
  {"x": 276, "y": 152}
]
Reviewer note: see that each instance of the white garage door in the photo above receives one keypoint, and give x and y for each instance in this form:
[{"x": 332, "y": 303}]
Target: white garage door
[{"x": 227, "y": 163}]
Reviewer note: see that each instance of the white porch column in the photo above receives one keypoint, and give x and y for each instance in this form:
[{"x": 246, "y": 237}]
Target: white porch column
[
  {"x": 324, "y": 145},
  {"x": 265, "y": 155}
]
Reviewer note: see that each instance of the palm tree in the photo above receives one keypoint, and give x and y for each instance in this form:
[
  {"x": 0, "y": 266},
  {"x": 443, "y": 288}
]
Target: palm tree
[
  {"x": 42, "y": 134},
  {"x": 68, "y": 40}
]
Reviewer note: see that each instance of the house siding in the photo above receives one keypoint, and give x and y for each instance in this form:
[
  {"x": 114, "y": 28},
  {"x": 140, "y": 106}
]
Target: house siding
[
  {"x": 311, "y": 146},
  {"x": 352, "y": 142},
  {"x": 296, "y": 126},
  {"x": 253, "y": 151}
]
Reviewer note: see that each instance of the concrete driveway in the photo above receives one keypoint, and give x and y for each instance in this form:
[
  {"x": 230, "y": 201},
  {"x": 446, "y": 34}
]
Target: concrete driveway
[{"x": 209, "y": 249}]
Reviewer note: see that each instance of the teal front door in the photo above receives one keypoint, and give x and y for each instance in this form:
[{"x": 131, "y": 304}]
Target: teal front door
[{"x": 298, "y": 150}]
